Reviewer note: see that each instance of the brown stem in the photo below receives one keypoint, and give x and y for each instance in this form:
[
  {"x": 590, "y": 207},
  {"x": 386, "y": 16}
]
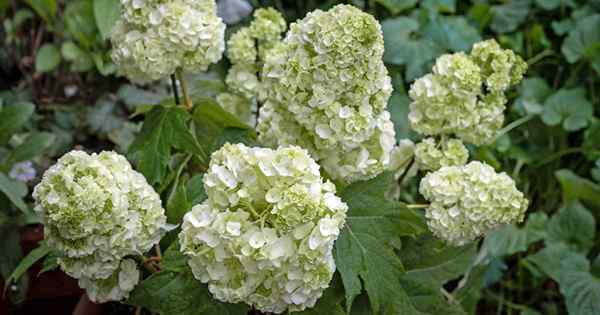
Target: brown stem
[{"x": 184, "y": 90}]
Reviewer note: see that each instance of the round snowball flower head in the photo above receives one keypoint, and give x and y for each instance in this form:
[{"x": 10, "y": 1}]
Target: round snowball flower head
[
  {"x": 153, "y": 38},
  {"x": 141, "y": 56},
  {"x": 468, "y": 201},
  {"x": 502, "y": 68},
  {"x": 431, "y": 155},
  {"x": 268, "y": 24},
  {"x": 265, "y": 234},
  {"x": 96, "y": 211},
  {"x": 326, "y": 89},
  {"x": 464, "y": 95}
]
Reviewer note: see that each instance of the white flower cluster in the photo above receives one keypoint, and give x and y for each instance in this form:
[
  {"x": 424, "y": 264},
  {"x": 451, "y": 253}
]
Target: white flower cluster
[
  {"x": 468, "y": 201},
  {"x": 464, "y": 96},
  {"x": 431, "y": 156},
  {"x": 155, "y": 37},
  {"x": 97, "y": 211},
  {"x": 326, "y": 89},
  {"x": 246, "y": 50},
  {"x": 265, "y": 234}
]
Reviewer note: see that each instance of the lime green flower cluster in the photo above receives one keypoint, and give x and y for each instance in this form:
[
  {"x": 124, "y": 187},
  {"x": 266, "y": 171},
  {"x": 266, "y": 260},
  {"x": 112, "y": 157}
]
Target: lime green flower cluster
[
  {"x": 470, "y": 200},
  {"x": 97, "y": 211},
  {"x": 265, "y": 234},
  {"x": 431, "y": 156},
  {"x": 247, "y": 50},
  {"x": 154, "y": 38},
  {"x": 464, "y": 96},
  {"x": 326, "y": 89}
]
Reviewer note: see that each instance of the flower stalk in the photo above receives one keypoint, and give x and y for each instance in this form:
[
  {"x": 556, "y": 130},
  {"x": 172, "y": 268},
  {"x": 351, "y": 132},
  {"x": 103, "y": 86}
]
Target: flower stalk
[{"x": 187, "y": 101}]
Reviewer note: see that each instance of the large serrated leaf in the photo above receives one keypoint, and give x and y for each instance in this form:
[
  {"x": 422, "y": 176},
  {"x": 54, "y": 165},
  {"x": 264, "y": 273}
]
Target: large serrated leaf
[
  {"x": 363, "y": 252},
  {"x": 574, "y": 226},
  {"x": 164, "y": 128},
  {"x": 430, "y": 264}
]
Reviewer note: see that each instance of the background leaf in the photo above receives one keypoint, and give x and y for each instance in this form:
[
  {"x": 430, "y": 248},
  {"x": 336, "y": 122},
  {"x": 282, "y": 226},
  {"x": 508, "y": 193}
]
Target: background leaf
[
  {"x": 106, "y": 13},
  {"x": 12, "y": 118},
  {"x": 47, "y": 58}
]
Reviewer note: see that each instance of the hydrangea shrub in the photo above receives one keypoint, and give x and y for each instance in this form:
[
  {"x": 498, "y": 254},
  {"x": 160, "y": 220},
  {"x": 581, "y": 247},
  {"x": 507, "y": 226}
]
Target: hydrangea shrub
[{"x": 263, "y": 224}]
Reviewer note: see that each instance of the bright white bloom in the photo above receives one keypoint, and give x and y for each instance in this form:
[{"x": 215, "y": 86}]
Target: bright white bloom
[
  {"x": 233, "y": 11},
  {"x": 155, "y": 37},
  {"x": 464, "y": 96},
  {"x": 247, "y": 50},
  {"x": 431, "y": 155},
  {"x": 265, "y": 234},
  {"x": 96, "y": 211},
  {"x": 114, "y": 288},
  {"x": 468, "y": 201},
  {"x": 23, "y": 171},
  {"x": 326, "y": 89}
]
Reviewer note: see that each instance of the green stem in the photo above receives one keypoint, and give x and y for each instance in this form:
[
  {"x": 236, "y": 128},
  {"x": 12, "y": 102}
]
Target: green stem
[
  {"x": 417, "y": 206},
  {"x": 174, "y": 88},
  {"x": 512, "y": 126},
  {"x": 187, "y": 101},
  {"x": 558, "y": 155},
  {"x": 535, "y": 59}
]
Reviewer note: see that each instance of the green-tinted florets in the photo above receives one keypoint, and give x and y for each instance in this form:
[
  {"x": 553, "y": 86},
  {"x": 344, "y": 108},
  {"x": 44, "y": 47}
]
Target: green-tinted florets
[
  {"x": 468, "y": 201},
  {"x": 326, "y": 89},
  {"x": 114, "y": 288},
  {"x": 247, "y": 50},
  {"x": 431, "y": 156},
  {"x": 240, "y": 106},
  {"x": 464, "y": 96},
  {"x": 96, "y": 211},
  {"x": 155, "y": 37},
  {"x": 265, "y": 234}
]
